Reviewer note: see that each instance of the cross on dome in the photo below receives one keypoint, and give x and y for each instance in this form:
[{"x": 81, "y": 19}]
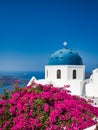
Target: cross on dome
[{"x": 65, "y": 44}]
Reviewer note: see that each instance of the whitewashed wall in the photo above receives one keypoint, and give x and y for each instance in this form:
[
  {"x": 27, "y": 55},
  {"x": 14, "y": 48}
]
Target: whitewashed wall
[
  {"x": 76, "y": 85},
  {"x": 92, "y": 86},
  {"x": 66, "y": 72}
]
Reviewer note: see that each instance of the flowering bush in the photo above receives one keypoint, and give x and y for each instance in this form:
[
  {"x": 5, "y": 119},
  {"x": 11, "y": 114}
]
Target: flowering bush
[{"x": 45, "y": 107}]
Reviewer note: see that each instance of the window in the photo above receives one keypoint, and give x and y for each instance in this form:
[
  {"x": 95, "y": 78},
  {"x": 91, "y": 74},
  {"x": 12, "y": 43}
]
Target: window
[
  {"x": 58, "y": 74},
  {"x": 47, "y": 73},
  {"x": 74, "y": 74}
]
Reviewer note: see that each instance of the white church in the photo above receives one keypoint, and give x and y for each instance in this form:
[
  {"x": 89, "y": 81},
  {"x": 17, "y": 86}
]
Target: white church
[{"x": 66, "y": 68}]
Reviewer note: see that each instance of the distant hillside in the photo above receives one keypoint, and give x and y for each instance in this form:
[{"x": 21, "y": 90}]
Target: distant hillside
[
  {"x": 87, "y": 75},
  {"x": 9, "y": 80}
]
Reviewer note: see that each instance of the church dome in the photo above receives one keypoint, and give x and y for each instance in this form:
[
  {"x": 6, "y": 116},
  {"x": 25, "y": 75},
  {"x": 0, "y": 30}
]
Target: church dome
[{"x": 65, "y": 57}]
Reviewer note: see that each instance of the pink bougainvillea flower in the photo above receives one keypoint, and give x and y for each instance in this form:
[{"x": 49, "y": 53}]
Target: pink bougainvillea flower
[{"x": 47, "y": 108}]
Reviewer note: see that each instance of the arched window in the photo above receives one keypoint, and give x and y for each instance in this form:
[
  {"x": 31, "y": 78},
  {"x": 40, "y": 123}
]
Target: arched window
[
  {"x": 74, "y": 74},
  {"x": 47, "y": 73},
  {"x": 58, "y": 74}
]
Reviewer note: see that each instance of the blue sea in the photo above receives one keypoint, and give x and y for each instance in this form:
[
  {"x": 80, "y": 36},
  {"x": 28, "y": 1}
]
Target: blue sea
[{"x": 7, "y": 79}]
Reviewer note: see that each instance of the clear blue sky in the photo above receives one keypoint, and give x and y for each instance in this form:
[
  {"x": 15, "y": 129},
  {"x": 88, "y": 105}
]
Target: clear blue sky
[{"x": 31, "y": 30}]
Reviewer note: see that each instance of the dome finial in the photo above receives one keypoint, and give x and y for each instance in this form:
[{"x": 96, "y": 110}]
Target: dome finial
[{"x": 65, "y": 44}]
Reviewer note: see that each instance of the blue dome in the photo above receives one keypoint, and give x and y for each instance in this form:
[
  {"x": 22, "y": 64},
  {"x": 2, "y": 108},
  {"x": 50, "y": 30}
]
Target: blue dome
[{"x": 65, "y": 57}]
